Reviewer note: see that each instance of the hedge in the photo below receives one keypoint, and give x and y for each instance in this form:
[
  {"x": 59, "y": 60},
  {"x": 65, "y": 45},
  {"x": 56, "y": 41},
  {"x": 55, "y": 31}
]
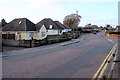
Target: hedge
[
  {"x": 113, "y": 32},
  {"x": 86, "y": 31}
]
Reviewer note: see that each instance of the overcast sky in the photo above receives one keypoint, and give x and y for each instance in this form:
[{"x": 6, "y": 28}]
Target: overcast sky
[{"x": 99, "y": 12}]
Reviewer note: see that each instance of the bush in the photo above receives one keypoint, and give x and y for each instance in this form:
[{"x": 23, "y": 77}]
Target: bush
[
  {"x": 95, "y": 30},
  {"x": 86, "y": 31},
  {"x": 66, "y": 36}
]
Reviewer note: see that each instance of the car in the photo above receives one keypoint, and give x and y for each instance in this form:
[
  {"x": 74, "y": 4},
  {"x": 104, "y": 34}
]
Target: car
[{"x": 94, "y": 32}]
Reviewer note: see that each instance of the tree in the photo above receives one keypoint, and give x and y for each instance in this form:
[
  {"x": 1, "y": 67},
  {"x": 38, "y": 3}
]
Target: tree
[
  {"x": 72, "y": 20},
  {"x": 107, "y": 26},
  {"x": 102, "y": 28},
  {"x": 3, "y": 22}
]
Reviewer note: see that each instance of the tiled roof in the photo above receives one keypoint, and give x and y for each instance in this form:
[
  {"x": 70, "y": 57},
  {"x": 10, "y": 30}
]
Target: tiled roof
[
  {"x": 59, "y": 25},
  {"x": 46, "y": 22},
  {"x": 66, "y": 26},
  {"x": 20, "y": 24}
]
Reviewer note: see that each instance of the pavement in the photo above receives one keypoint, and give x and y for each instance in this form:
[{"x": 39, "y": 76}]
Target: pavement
[
  {"x": 116, "y": 69},
  {"x": 10, "y": 48},
  {"x": 7, "y": 50},
  {"x": 79, "y": 58}
]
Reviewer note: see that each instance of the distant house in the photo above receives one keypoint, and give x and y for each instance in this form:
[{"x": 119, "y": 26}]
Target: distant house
[
  {"x": 117, "y": 28},
  {"x": 87, "y": 28},
  {"x": 94, "y": 26}
]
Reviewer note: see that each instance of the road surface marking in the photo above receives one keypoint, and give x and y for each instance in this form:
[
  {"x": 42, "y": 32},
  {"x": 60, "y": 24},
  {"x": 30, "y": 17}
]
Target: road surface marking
[
  {"x": 110, "y": 40},
  {"x": 101, "y": 66},
  {"x": 104, "y": 68},
  {"x": 112, "y": 66}
]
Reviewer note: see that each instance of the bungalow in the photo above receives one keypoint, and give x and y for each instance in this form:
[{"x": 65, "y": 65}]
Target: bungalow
[
  {"x": 41, "y": 33},
  {"x": 87, "y": 29},
  {"x": 94, "y": 26},
  {"x": 67, "y": 28},
  {"x": 53, "y": 30},
  {"x": 61, "y": 26},
  {"x": 22, "y": 29},
  {"x": 117, "y": 28},
  {"x": 19, "y": 29}
]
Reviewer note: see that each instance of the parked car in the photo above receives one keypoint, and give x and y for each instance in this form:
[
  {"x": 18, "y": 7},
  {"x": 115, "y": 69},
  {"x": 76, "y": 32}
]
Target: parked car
[{"x": 94, "y": 32}]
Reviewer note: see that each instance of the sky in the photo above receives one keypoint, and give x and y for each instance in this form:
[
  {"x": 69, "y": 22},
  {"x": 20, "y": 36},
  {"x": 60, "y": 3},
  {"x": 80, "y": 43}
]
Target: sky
[{"x": 96, "y": 12}]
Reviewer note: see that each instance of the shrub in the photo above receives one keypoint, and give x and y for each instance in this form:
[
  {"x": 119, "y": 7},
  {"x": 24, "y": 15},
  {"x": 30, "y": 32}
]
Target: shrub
[{"x": 86, "y": 31}]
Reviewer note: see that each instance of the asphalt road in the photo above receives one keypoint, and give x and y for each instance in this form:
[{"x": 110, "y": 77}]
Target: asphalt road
[{"x": 79, "y": 58}]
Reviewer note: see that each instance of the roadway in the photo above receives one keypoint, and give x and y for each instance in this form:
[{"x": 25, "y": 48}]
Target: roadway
[{"x": 79, "y": 58}]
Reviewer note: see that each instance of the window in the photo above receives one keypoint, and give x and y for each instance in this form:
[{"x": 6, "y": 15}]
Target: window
[
  {"x": 50, "y": 26},
  {"x": 42, "y": 34},
  {"x": 31, "y": 34},
  {"x": 8, "y": 36}
]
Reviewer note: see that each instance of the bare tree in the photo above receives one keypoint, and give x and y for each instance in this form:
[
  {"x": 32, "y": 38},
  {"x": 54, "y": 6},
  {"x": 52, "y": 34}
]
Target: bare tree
[{"x": 72, "y": 20}]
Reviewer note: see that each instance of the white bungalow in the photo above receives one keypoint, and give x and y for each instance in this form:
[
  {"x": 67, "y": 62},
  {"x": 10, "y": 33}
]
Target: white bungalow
[{"x": 50, "y": 25}]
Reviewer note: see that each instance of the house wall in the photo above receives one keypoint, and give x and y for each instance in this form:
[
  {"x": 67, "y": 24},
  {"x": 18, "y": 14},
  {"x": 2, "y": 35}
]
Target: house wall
[
  {"x": 69, "y": 29},
  {"x": 23, "y": 36},
  {"x": 52, "y": 32},
  {"x": 86, "y": 29},
  {"x": 18, "y": 35},
  {"x": 41, "y": 34},
  {"x": 65, "y": 30},
  {"x": 27, "y": 35}
]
